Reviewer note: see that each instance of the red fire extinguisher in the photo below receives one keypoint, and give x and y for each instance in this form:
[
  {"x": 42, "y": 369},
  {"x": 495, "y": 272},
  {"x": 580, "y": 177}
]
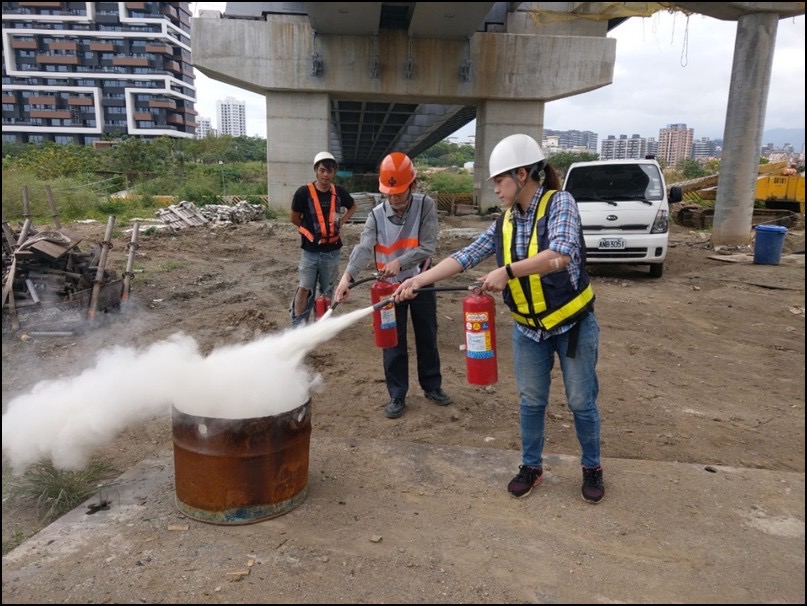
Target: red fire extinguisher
[
  {"x": 384, "y": 324},
  {"x": 321, "y": 305},
  {"x": 479, "y": 312}
]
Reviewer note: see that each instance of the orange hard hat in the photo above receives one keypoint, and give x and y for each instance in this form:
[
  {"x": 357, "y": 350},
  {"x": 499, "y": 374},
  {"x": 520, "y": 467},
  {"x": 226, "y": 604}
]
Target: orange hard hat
[{"x": 397, "y": 173}]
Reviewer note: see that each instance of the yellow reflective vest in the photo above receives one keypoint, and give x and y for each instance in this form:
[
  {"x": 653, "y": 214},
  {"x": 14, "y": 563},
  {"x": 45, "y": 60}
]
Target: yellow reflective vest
[{"x": 541, "y": 301}]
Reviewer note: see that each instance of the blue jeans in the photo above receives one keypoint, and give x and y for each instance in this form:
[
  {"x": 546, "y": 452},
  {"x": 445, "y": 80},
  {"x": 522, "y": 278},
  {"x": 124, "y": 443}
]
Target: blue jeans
[
  {"x": 533, "y": 364},
  {"x": 315, "y": 268}
]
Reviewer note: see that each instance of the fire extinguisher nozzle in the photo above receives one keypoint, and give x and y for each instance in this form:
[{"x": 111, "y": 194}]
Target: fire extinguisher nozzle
[{"x": 383, "y": 303}]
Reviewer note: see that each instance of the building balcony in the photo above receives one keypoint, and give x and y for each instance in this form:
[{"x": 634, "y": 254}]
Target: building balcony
[
  {"x": 130, "y": 61},
  {"x": 57, "y": 59},
  {"x": 56, "y": 113},
  {"x": 163, "y": 103},
  {"x": 24, "y": 44},
  {"x": 159, "y": 48},
  {"x": 43, "y": 100},
  {"x": 63, "y": 45}
]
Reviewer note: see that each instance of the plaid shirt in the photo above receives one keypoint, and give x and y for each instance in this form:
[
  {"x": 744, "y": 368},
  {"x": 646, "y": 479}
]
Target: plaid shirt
[{"x": 563, "y": 223}]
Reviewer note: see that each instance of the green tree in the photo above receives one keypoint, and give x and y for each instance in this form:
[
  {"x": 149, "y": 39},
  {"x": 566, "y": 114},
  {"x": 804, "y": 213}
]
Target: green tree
[
  {"x": 712, "y": 166},
  {"x": 445, "y": 153},
  {"x": 690, "y": 168},
  {"x": 136, "y": 157},
  {"x": 562, "y": 160},
  {"x": 53, "y": 160},
  {"x": 446, "y": 182}
]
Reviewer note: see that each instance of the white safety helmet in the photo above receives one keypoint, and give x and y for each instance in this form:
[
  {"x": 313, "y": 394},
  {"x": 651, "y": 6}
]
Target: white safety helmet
[
  {"x": 513, "y": 152},
  {"x": 323, "y": 156}
]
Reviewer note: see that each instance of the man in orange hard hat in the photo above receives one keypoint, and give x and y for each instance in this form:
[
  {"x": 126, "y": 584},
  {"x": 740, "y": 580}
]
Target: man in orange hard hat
[{"x": 400, "y": 236}]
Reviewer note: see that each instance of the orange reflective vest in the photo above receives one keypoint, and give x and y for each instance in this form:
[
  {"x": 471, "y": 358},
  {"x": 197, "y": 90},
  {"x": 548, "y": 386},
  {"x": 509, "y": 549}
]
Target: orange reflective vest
[{"x": 325, "y": 230}]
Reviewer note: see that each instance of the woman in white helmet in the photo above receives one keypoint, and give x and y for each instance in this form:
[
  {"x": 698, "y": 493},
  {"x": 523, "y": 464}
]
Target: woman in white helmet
[{"x": 541, "y": 273}]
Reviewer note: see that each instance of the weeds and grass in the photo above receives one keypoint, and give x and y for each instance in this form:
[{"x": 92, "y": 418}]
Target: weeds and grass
[
  {"x": 56, "y": 491},
  {"x": 15, "y": 541},
  {"x": 171, "y": 265}
]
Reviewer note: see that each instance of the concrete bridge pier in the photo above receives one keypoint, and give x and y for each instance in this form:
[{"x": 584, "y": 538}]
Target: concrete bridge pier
[
  {"x": 745, "y": 120},
  {"x": 299, "y": 122},
  {"x": 495, "y": 120}
]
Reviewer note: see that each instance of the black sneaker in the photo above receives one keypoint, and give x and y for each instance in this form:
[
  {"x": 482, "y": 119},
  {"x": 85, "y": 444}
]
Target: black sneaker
[
  {"x": 593, "y": 486},
  {"x": 394, "y": 408},
  {"x": 527, "y": 479},
  {"x": 438, "y": 396}
]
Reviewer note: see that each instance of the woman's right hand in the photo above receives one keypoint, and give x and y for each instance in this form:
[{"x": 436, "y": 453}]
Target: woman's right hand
[{"x": 406, "y": 289}]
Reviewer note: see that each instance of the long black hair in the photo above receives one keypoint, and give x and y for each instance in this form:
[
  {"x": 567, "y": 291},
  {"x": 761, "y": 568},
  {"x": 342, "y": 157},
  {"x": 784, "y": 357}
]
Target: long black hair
[{"x": 551, "y": 178}]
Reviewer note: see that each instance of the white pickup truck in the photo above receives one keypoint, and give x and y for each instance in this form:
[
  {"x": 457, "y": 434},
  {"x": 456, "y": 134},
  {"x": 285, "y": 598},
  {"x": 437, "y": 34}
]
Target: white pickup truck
[{"x": 624, "y": 206}]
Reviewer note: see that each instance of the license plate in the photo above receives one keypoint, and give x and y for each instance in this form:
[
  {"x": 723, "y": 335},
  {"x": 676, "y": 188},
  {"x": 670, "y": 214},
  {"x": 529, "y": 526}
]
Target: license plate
[{"x": 612, "y": 243}]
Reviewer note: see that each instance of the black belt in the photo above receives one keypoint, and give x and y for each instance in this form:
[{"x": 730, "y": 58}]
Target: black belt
[{"x": 574, "y": 333}]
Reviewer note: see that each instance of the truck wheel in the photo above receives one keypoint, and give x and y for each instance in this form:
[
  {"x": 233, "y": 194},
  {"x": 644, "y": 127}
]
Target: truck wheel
[{"x": 656, "y": 270}]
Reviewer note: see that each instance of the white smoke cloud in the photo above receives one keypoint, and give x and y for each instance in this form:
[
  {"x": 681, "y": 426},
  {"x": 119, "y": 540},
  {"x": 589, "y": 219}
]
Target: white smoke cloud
[{"x": 64, "y": 420}]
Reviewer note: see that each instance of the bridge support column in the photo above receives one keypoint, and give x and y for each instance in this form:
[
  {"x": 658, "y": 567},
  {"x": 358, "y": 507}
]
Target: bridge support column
[
  {"x": 742, "y": 137},
  {"x": 297, "y": 127},
  {"x": 495, "y": 120}
]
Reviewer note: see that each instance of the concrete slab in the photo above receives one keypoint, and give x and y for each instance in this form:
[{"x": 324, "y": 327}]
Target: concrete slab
[{"x": 387, "y": 522}]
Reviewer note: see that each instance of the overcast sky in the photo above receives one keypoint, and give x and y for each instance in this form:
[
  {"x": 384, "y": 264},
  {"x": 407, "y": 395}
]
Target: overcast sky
[{"x": 669, "y": 70}]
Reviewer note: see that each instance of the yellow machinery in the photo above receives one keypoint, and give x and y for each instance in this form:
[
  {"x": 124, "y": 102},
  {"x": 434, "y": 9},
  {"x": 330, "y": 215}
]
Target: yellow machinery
[{"x": 782, "y": 191}]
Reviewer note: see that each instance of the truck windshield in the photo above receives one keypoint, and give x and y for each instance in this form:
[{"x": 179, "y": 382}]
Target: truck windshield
[{"x": 610, "y": 182}]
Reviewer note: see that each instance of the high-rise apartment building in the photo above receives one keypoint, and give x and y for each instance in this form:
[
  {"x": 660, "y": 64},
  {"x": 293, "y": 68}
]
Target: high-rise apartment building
[
  {"x": 232, "y": 117},
  {"x": 574, "y": 139},
  {"x": 652, "y": 147},
  {"x": 204, "y": 128},
  {"x": 675, "y": 143},
  {"x": 621, "y": 148},
  {"x": 74, "y": 72},
  {"x": 705, "y": 148}
]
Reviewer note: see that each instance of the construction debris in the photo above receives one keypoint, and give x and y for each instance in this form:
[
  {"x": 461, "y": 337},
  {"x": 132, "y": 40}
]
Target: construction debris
[
  {"x": 186, "y": 214},
  {"x": 52, "y": 287},
  {"x": 182, "y": 215}
]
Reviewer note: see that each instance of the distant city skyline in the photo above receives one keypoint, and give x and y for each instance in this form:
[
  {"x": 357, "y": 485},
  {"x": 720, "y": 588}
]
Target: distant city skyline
[{"x": 669, "y": 69}]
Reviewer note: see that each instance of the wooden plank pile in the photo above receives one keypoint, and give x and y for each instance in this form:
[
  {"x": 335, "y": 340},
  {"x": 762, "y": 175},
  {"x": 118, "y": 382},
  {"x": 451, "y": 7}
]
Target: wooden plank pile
[
  {"x": 187, "y": 214},
  {"x": 182, "y": 215},
  {"x": 51, "y": 286}
]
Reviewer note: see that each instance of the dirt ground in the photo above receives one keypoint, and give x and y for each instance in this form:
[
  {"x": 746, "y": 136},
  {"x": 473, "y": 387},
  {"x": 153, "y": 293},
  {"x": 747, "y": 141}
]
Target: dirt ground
[{"x": 704, "y": 365}]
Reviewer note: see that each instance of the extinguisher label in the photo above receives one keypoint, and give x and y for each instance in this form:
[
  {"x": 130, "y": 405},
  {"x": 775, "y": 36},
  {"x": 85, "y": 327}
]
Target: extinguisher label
[
  {"x": 388, "y": 317},
  {"x": 477, "y": 336},
  {"x": 478, "y": 346}
]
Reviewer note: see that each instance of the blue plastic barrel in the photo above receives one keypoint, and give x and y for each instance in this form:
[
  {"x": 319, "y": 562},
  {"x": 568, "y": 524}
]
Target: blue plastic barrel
[{"x": 768, "y": 244}]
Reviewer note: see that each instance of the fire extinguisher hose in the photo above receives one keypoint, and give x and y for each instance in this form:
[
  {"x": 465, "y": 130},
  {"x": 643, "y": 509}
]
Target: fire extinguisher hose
[
  {"x": 444, "y": 288},
  {"x": 356, "y": 283},
  {"x": 386, "y": 301}
]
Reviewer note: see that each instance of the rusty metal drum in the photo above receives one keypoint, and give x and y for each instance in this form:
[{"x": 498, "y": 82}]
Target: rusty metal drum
[{"x": 241, "y": 471}]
